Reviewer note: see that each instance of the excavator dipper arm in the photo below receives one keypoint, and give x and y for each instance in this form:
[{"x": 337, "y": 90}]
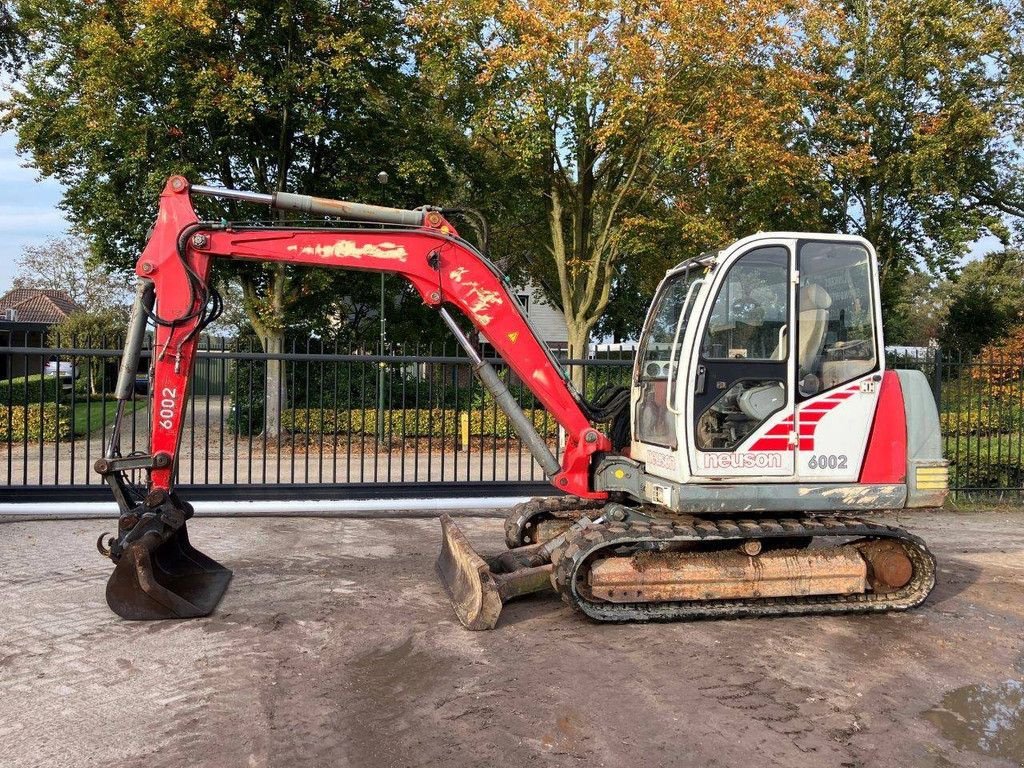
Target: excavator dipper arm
[{"x": 420, "y": 245}]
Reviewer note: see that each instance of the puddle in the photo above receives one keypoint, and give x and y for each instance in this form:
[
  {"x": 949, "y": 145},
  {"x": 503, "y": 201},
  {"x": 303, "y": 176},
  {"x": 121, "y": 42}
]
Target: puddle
[{"x": 984, "y": 718}]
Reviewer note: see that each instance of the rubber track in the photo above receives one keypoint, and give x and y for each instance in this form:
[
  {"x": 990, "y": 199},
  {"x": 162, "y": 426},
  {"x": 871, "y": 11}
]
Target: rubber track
[
  {"x": 570, "y": 559},
  {"x": 569, "y": 508}
]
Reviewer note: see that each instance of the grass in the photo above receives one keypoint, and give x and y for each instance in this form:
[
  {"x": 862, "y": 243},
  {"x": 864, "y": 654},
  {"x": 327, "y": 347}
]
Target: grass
[
  {"x": 91, "y": 416},
  {"x": 985, "y": 502}
]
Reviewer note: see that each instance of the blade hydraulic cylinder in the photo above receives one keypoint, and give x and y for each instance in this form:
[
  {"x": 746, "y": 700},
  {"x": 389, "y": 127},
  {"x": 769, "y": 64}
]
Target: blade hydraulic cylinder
[{"x": 520, "y": 422}]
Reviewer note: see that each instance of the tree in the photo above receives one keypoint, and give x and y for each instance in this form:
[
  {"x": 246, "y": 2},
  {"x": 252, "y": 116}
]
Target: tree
[
  {"x": 64, "y": 264},
  {"x": 916, "y": 317},
  {"x": 304, "y": 95},
  {"x": 1002, "y": 367},
  {"x": 92, "y": 330},
  {"x": 617, "y": 117},
  {"x": 916, "y": 109},
  {"x": 984, "y": 302},
  {"x": 10, "y": 35}
]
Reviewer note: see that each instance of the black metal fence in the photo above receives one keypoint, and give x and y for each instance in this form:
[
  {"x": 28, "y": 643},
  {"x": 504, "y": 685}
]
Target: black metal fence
[
  {"x": 347, "y": 423},
  {"x": 413, "y": 421}
]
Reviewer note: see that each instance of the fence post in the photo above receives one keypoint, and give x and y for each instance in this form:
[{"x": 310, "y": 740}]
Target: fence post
[{"x": 937, "y": 377}]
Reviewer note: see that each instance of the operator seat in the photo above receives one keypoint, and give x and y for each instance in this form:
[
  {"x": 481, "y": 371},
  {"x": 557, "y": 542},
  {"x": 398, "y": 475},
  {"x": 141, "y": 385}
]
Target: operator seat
[{"x": 813, "y": 323}]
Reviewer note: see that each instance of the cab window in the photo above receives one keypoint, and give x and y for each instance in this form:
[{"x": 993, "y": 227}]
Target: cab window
[
  {"x": 653, "y": 421},
  {"x": 749, "y": 316},
  {"x": 836, "y": 330},
  {"x": 656, "y": 349}
]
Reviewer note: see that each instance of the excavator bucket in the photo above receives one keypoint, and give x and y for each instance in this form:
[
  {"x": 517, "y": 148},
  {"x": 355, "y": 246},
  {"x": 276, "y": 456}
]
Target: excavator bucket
[
  {"x": 159, "y": 578},
  {"x": 478, "y": 588}
]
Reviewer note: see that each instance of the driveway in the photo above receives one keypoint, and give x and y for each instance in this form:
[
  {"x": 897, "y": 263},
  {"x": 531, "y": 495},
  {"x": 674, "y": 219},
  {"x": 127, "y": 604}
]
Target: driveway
[{"x": 335, "y": 646}]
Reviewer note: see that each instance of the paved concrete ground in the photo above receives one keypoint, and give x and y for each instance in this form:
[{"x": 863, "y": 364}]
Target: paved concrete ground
[{"x": 335, "y": 646}]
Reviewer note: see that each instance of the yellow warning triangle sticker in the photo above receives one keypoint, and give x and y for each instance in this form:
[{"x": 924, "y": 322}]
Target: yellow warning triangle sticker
[{"x": 513, "y": 336}]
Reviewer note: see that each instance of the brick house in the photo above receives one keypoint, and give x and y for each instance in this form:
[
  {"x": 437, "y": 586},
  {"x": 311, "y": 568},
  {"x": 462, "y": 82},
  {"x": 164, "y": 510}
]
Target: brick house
[{"x": 25, "y": 316}]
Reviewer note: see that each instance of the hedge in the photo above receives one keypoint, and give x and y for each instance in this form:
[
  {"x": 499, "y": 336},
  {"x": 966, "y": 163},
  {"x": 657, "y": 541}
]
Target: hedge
[
  {"x": 982, "y": 421},
  {"x": 48, "y": 423},
  {"x": 408, "y": 423},
  {"x": 26, "y": 389},
  {"x": 985, "y": 463}
]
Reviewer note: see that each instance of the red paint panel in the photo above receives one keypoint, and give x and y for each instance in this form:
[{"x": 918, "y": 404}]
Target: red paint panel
[
  {"x": 771, "y": 444},
  {"x": 811, "y": 417},
  {"x": 886, "y": 457}
]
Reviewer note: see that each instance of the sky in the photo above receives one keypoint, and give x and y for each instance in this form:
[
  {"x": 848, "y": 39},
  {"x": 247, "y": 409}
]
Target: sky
[{"x": 28, "y": 209}]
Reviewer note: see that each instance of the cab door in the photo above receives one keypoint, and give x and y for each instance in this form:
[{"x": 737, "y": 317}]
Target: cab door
[
  {"x": 742, "y": 404},
  {"x": 839, "y": 359},
  {"x": 662, "y": 366}
]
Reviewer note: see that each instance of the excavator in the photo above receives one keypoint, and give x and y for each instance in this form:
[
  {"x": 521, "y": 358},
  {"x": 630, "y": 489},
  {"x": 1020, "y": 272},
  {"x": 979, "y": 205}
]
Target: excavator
[{"x": 736, "y": 475}]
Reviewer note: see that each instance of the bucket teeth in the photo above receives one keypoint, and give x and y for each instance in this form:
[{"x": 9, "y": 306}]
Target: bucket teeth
[{"x": 162, "y": 576}]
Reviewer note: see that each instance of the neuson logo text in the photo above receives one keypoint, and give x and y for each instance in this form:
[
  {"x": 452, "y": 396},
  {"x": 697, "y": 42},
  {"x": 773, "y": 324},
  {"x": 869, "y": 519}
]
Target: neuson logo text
[{"x": 760, "y": 460}]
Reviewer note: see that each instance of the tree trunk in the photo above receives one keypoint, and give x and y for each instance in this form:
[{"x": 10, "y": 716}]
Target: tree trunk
[
  {"x": 269, "y": 326},
  {"x": 276, "y": 392},
  {"x": 579, "y": 347}
]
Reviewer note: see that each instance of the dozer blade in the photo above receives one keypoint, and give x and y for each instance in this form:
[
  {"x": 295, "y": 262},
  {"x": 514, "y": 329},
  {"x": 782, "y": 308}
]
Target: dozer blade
[
  {"x": 168, "y": 578},
  {"x": 478, "y": 588},
  {"x": 467, "y": 579}
]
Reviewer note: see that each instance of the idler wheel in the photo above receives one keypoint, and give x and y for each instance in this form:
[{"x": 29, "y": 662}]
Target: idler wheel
[{"x": 889, "y": 567}]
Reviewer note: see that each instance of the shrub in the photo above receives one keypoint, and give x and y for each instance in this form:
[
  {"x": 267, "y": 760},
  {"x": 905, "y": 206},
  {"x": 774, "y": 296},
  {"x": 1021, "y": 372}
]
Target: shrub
[
  {"x": 1001, "y": 364},
  {"x": 985, "y": 462},
  {"x": 981, "y": 421},
  {"x": 408, "y": 423},
  {"x": 45, "y": 423}
]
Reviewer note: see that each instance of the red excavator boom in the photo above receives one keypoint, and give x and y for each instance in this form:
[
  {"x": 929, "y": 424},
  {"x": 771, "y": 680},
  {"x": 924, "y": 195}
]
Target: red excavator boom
[
  {"x": 443, "y": 268},
  {"x": 420, "y": 245}
]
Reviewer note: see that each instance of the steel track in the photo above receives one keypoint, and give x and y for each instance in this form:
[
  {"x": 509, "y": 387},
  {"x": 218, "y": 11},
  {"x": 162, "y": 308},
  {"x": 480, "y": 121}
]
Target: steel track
[
  {"x": 522, "y": 518},
  {"x": 572, "y": 562}
]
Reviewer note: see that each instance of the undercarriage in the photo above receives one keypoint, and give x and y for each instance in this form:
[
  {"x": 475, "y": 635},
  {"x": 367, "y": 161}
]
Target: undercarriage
[{"x": 612, "y": 562}]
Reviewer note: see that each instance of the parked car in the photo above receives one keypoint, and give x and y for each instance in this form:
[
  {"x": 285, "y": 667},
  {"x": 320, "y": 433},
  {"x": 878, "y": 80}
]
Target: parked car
[{"x": 56, "y": 367}]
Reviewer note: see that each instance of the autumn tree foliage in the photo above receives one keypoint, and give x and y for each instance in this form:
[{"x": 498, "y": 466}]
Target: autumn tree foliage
[
  {"x": 620, "y": 117},
  {"x": 604, "y": 140},
  {"x": 307, "y": 95},
  {"x": 915, "y": 122},
  {"x": 1000, "y": 364}
]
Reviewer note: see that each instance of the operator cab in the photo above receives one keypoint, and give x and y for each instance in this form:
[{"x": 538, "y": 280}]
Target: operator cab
[{"x": 746, "y": 351}]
